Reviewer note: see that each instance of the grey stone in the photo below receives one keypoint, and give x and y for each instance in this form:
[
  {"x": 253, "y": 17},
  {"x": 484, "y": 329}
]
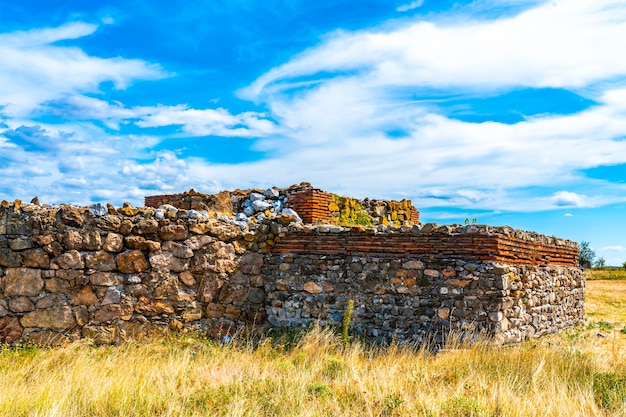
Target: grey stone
[{"x": 98, "y": 209}]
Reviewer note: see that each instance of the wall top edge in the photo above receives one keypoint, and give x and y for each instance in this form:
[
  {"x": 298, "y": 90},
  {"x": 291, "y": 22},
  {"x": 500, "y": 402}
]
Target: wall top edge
[
  {"x": 434, "y": 229},
  {"x": 100, "y": 209}
]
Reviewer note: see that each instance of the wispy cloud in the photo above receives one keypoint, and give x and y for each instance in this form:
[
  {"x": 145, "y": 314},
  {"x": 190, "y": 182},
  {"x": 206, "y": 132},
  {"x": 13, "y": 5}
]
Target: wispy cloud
[
  {"x": 614, "y": 249},
  {"x": 193, "y": 122},
  {"x": 216, "y": 122},
  {"x": 344, "y": 96},
  {"x": 36, "y": 69},
  {"x": 561, "y": 50},
  {"x": 351, "y": 114},
  {"x": 410, "y": 6}
]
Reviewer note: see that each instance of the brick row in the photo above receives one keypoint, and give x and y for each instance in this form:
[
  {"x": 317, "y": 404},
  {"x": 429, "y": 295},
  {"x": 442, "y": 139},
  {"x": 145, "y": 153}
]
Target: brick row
[{"x": 470, "y": 247}]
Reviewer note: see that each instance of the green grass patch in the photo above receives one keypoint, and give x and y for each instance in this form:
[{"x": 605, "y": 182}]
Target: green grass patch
[{"x": 612, "y": 274}]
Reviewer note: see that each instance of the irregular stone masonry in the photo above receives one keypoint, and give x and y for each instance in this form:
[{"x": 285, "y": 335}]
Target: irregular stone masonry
[
  {"x": 406, "y": 299},
  {"x": 113, "y": 274},
  {"x": 311, "y": 204}
]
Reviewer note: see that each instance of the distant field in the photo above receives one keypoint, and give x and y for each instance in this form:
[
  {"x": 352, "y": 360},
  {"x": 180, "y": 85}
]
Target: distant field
[
  {"x": 606, "y": 273},
  {"x": 581, "y": 372}
]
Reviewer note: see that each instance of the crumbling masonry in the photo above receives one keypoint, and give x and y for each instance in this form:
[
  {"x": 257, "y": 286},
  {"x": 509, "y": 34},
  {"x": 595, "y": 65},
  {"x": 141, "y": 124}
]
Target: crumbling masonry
[{"x": 113, "y": 274}]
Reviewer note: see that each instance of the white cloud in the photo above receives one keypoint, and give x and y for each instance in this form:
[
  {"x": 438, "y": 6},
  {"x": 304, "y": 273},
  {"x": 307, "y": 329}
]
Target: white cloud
[
  {"x": 193, "y": 122},
  {"x": 614, "y": 249},
  {"x": 569, "y": 199},
  {"x": 410, "y": 6},
  {"x": 35, "y": 69},
  {"x": 333, "y": 110},
  {"x": 567, "y": 43},
  {"x": 568, "y": 215},
  {"x": 217, "y": 122},
  {"x": 361, "y": 85}
]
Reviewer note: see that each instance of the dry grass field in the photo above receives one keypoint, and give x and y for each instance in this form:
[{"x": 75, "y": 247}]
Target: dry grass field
[{"x": 579, "y": 373}]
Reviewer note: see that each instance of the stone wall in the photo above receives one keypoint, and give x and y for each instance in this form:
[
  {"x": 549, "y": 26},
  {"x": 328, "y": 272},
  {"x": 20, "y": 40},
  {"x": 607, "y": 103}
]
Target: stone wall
[
  {"x": 313, "y": 205},
  {"x": 112, "y": 274},
  {"x": 408, "y": 299}
]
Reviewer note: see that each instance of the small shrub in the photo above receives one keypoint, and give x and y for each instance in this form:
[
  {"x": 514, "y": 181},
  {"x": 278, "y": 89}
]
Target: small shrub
[
  {"x": 351, "y": 212},
  {"x": 461, "y": 406},
  {"x": 610, "y": 391},
  {"x": 318, "y": 389},
  {"x": 345, "y": 326},
  {"x": 391, "y": 403},
  {"x": 333, "y": 368}
]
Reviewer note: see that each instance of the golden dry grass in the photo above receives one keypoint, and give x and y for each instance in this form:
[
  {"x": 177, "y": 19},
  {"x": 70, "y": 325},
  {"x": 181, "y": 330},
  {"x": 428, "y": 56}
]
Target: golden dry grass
[{"x": 579, "y": 373}]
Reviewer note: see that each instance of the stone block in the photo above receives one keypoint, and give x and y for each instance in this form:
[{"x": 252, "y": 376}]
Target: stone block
[
  {"x": 173, "y": 232},
  {"x": 312, "y": 287},
  {"x": 131, "y": 262},
  {"x": 72, "y": 239},
  {"x": 71, "y": 216},
  {"x": 100, "y": 261},
  {"x": 151, "y": 307},
  {"x": 146, "y": 227},
  {"x": 71, "y": 259},
  {"x": 105, "y": 279},
  {"x": 54, "y": 318},
  {"x": 100, "y": 335},
  {"x": 84, "y": 297},
  {"x": 113, "y": 242},
  {"x": 187, "y": 278},
  {"x": 23, "y": 281},
  {"x": 92, "y": 240},
  {"x": 46, "y": 338},
  {"x": 112, "y": 312},
  {"x": 9, "y": 258},
  {"x": 20, "y": 244},
  {"x": 10, "y": 330},
  {"x": 209, "y": 289},
  {"x": 36, "y": 258},
  {"x": 57, "y": 285},
  {"x": 21, "y": 305}
]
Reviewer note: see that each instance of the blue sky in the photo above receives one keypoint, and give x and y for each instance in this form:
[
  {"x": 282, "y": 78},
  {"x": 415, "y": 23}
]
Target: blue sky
[{"x": 512, "y": 112}]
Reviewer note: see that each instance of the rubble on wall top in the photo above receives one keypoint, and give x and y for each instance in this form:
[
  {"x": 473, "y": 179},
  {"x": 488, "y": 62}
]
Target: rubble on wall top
[{"x": 255, "y": 207}]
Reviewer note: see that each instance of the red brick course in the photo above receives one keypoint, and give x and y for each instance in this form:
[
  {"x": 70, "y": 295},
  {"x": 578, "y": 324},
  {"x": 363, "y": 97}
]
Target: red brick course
[{"x": 470, "y": 247}]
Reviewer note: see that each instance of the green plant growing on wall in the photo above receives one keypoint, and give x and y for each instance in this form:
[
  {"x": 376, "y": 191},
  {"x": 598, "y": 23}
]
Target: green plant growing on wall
[
  {"x": 351, "y": 212},
  {"x": 345, "y": 325}
]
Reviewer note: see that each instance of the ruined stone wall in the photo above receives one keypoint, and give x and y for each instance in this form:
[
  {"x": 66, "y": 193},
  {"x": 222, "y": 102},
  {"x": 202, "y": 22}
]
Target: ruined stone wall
[
  {"x": 426, "y": 280},
  {"x": 113, "y": 274},
  {"x": 408, "y": 299},
  {"x": 313, "y": 205}
]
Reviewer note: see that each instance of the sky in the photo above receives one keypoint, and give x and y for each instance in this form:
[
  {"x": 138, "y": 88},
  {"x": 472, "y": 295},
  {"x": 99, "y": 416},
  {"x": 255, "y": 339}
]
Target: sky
[{"x": 508, "y": 112}]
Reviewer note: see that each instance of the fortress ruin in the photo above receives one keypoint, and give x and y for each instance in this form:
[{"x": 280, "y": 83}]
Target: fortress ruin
[{"x": 283, "y": 258}]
